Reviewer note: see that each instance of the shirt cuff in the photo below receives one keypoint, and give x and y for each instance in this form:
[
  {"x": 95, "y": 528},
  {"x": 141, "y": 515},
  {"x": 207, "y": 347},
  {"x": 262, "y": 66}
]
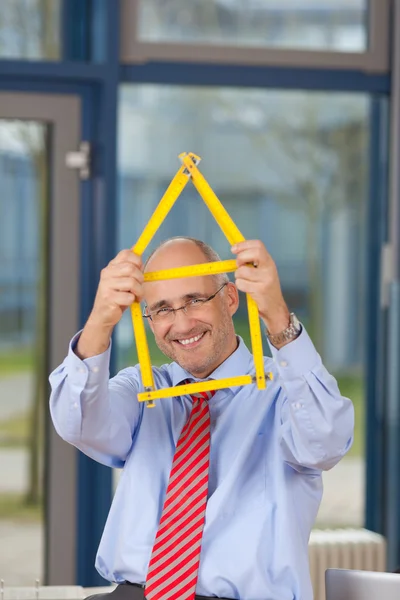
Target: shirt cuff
[
  {"x": 88, "y": 369},
  {"x": 297, "y": 358}
]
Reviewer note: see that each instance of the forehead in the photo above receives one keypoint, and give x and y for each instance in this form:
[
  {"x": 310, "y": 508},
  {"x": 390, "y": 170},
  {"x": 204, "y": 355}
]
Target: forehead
[
  {"x": 174, "y": 291},
  {"x": 176, "y": 253},
  {"x": 179, "y": 253}
]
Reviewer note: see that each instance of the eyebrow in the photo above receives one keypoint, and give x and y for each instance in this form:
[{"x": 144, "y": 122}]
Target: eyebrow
[{"x": 166, "y": 303}]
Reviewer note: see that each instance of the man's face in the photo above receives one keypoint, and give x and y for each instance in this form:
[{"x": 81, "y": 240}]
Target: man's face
[{"x": 198, "y": 341}]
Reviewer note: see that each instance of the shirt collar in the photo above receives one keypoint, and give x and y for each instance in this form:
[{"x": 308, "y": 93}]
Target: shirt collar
[{"x": 238, "y": 363}]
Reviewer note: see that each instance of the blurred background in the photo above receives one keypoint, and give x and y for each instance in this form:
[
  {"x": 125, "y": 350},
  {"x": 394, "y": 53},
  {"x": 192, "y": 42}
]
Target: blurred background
[{"x": 293, "y": 106}]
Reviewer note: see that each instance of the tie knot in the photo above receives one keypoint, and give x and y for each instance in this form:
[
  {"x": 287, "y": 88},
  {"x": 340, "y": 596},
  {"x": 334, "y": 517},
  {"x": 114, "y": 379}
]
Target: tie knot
[{"x": 199, "y": 395}]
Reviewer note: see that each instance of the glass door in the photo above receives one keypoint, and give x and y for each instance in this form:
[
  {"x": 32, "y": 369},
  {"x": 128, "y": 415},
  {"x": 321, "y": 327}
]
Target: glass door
[{"x": 39, "y": 245}]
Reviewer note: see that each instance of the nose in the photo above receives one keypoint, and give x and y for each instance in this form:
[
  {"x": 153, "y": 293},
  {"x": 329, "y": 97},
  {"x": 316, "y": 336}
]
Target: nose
[{"x": 181, "y": 314}]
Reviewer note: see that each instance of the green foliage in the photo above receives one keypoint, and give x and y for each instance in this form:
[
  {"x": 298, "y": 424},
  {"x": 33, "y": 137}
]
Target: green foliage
[
  {"x": 15, "y": 361},
  {"x": 14, "y": 432},
  {"x": 14, "y": 507}
]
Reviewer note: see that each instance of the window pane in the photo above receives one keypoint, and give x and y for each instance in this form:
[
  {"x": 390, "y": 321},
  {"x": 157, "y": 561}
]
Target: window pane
[
  {"x": 308, "y": 24},
  {"x": 23, "y": 372},
  {"x": 291, "y": 169},
  {"x": 30, "y": 29}
]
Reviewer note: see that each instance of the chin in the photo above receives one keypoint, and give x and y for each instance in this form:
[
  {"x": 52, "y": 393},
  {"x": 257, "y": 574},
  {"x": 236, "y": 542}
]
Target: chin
[{"x": 201, "y": 372}]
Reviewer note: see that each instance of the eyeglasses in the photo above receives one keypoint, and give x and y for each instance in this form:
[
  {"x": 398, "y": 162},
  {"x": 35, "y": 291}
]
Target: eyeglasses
[{"x": 190, "y": 308}]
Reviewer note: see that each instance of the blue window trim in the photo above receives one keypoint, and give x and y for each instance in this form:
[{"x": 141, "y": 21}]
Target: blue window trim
[
  {"x": 199, "y": 74},
  {"x": 90, "y": 32},
  {"x": 98, "y": 238},
  {"x": 63, "y": 71},
  {"x": 213, "y": 74},
  {"x": 75, "y": 32},
  {"x": 376, "y": 319}
]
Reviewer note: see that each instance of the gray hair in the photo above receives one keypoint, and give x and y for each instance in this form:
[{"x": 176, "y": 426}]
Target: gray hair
[{"x": 209, "y": 254}]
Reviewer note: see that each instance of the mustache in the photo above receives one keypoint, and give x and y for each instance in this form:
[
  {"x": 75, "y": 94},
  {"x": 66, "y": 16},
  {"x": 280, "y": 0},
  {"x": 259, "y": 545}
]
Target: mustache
[{"x": 171, "y": 337}]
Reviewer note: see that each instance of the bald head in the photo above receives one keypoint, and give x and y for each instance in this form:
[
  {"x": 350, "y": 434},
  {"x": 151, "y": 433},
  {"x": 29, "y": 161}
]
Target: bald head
[{"x": 180, "y": 252}]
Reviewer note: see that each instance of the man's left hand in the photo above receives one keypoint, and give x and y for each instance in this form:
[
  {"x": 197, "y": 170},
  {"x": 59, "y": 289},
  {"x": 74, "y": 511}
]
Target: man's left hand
[{"x": 262, "y": 283}]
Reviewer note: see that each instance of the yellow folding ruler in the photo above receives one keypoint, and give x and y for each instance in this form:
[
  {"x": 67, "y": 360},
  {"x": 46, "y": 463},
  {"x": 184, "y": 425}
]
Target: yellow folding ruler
[{"x": 188, "y": 171}]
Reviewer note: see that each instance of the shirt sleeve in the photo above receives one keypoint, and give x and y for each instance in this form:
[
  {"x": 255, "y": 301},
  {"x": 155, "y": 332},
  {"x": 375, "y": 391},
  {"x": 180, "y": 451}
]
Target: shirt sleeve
[
  {"x": 317, "y": 422},
  {"x": 96, "y": 414}
]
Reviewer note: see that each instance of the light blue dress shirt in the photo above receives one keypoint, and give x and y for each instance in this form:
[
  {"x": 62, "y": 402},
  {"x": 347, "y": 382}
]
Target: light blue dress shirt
[{"x": 268, "y": 449}]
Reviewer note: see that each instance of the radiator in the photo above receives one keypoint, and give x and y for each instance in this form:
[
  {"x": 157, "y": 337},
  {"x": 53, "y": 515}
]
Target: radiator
[{"x": 344, "y": 549}]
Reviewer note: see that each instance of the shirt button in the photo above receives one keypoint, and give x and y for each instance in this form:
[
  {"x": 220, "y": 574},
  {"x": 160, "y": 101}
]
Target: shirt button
[
  {"x": 80, "y": 369},
  {"x": 75, "y": 405},
  {"x": 283, "y": 363},
  {"x": 297, "y": 405},
  {"x": 95, "y": 369}
]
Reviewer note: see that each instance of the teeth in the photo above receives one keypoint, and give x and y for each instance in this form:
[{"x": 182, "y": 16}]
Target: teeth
[{"x": 191, "y": 340}]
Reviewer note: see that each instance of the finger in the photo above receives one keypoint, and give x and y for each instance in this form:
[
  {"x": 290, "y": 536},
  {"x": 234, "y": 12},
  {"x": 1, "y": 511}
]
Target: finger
[
  {"x": 123, "y": 299},
  {"x": 125, "y": 284},
  {"x": 126, "y": 269},
  {"x": 246, "y": 286},
  {"x": 249, "y": 273},
  {"x": 246, "y": 245},
  {"x": 127, "y": 255},
  {"x": 253, "y": 256}
]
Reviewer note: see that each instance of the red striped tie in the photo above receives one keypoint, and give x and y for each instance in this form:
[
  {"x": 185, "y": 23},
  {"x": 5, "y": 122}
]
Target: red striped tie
[{"x": 175, "y": 558}]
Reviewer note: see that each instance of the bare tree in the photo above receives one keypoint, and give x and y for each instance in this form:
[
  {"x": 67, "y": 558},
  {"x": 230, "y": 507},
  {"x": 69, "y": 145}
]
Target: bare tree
[
  {"x": 30, "y": 29},
  {"x": 328, "y": 175}
]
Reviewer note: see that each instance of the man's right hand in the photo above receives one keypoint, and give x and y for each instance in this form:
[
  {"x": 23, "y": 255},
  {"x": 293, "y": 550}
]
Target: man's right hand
[{"x": 120, "y": 285}]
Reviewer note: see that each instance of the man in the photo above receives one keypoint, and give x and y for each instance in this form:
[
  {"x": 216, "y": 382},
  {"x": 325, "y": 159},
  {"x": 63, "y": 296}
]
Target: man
[{"x": 218, "y": 493}]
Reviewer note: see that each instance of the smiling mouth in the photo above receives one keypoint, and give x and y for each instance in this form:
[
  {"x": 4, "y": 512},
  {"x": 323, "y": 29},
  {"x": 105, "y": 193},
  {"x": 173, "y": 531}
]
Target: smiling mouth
[{"x": 190, "y": 342}]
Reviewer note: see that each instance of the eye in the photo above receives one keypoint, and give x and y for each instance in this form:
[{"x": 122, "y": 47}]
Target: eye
[
  {"x": 163, "y": 311},
  {"x": 196, "y": 301}
]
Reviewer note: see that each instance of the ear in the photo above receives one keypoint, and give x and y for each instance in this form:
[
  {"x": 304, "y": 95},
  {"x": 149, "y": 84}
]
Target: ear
[{"x": 233, "y": 298}]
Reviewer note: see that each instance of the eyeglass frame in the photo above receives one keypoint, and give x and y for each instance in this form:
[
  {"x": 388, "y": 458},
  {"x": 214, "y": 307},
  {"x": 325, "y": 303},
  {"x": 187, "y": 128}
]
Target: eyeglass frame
[{"x": 184, "y": 306}]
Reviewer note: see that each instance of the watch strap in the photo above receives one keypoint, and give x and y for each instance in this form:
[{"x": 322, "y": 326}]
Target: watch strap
[{"x": 290, "y": 333}]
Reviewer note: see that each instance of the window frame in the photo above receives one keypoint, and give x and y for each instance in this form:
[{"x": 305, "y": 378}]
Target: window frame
[{"x": 374, "y": 60}]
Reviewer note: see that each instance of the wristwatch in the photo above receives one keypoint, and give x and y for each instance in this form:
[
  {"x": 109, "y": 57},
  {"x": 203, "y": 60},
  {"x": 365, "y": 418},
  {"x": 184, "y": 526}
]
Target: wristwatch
[{"x": 290, "y": 333}]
